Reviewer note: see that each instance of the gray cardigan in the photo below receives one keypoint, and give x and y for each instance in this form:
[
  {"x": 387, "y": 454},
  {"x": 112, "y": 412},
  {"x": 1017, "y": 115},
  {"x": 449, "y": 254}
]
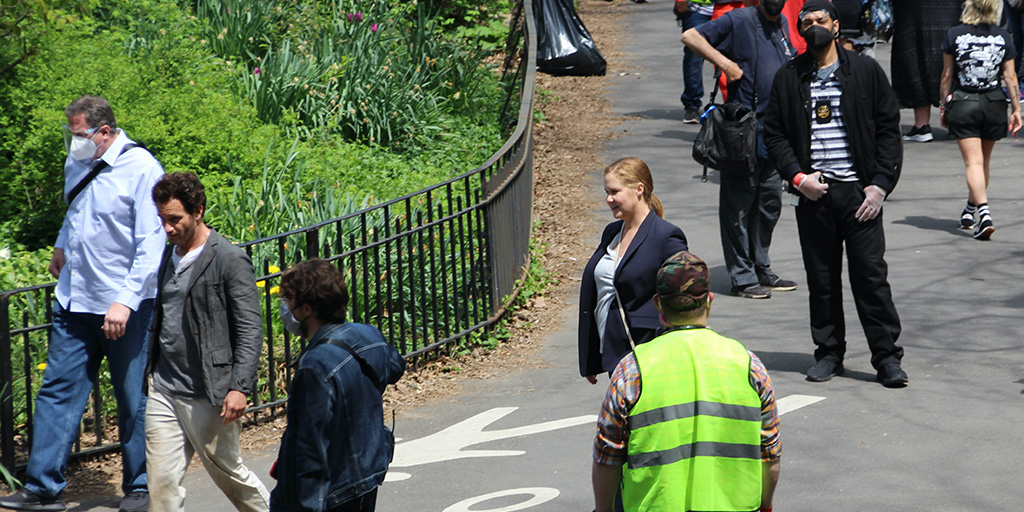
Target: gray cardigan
[{"x": 222, "y": 309}]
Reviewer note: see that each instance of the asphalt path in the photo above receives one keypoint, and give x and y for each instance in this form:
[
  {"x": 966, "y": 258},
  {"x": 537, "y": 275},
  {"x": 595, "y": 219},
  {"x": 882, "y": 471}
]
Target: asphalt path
[{"x": 951, "y": 441}]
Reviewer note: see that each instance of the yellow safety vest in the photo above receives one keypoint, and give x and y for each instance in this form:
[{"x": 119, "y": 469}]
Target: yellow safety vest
[{"x": 695, "y": 432}]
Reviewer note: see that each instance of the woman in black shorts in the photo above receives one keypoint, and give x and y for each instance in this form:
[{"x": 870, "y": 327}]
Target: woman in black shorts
[{"x": 975, "y": 54}]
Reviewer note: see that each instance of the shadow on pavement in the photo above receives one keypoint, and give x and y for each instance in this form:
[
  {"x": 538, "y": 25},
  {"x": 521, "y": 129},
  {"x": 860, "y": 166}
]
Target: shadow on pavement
[{"x": 931, "y": 223}]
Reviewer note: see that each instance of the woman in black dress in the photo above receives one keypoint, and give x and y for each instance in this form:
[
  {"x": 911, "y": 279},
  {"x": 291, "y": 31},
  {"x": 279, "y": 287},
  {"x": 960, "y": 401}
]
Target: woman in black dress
[{"x": 919, "y": 28}]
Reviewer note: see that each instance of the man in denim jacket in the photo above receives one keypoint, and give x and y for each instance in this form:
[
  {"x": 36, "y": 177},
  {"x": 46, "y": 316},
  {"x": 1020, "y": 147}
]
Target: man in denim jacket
[{"x": 336, "y": 450}]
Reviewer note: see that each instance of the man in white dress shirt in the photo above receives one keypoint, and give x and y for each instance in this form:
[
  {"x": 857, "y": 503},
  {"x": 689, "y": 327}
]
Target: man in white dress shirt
[{"x": 105, "y": 261}]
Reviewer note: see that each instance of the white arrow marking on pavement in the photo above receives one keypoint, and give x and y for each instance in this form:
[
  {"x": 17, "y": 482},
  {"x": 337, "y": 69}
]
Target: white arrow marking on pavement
[
  {"x": 539, "y": 495},
  {"x": 450, "y": 443},
  {"x": 794, "y": 402}
]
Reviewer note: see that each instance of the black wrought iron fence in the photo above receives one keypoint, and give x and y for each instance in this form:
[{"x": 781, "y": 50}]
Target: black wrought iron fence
[{"x": 428, "y": 269}]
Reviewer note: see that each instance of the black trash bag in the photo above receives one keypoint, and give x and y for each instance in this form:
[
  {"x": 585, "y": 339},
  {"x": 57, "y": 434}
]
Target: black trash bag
[{"x": 564, "y": 47}]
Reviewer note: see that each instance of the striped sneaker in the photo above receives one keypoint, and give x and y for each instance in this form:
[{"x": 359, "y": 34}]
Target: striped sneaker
[
  {"x": 966, "y": 220},
  {"x": 984, "y": 229}
]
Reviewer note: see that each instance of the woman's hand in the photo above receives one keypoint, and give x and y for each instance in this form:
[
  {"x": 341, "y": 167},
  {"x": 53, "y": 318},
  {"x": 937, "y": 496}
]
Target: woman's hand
[
  {"x": 1015, "y": 123},
  {"x": 591, "y": 379}
]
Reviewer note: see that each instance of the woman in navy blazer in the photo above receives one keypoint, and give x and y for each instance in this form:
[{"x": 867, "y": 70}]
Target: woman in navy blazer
[{"x": 627, "y": 260}]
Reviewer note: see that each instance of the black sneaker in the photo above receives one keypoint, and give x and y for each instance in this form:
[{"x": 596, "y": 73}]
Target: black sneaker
[
  {"x": 824, "y": 370},
  {"x": 966, "y": 220},
  {"x": 753, "y": 291},
  {"x": 919, "y": 134},
  {"x": 892, "y": 376},
  {"x": 28, "y": 500},
  {"x": 691, "y": 116},
  {"x": 984, "y": 229},
  {"x": 776, "y": 283},
  {"x": 135, "y": 501}
]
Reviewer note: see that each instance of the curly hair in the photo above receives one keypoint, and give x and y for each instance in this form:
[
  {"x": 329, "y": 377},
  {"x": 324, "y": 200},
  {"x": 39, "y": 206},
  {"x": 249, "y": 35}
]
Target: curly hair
[
  {"x": 183, "y": 186},
  {"x": 318, "y": 283}
]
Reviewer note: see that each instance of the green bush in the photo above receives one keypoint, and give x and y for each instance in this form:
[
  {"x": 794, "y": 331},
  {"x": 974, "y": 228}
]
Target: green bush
[{"x": 359, "y": 93}]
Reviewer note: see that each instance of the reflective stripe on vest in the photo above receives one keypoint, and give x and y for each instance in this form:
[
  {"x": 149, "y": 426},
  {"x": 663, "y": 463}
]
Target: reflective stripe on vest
[{"x": 695, "y": 432}]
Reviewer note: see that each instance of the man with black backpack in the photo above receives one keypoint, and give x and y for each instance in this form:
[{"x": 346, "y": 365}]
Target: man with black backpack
[
  {"x": 105, "y": 261},
  {"x": 749, "y": 45}
]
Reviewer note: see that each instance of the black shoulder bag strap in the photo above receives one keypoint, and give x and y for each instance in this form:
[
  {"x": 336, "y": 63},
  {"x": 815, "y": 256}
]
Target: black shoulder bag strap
[
  {"x": 80, "y": 186},
  {"x": 367, "y": 369}
]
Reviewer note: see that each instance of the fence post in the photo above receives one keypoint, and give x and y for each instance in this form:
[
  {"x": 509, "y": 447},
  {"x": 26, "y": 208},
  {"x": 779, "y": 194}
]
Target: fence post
[
  {"x": 312, "y": 244},
  {"x": 6, "y": 383}
]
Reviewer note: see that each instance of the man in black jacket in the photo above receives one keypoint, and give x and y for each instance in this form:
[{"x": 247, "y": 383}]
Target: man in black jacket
[{"x": 832, "y": 129}]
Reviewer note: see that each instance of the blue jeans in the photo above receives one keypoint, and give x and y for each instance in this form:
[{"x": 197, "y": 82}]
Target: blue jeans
[
  {"x": 77, "y": 346},
  {"x": 693, "y": 67}
]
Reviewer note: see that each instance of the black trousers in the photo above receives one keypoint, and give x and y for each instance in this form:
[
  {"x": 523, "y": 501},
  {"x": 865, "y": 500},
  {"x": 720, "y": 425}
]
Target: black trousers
[
  {"x": 825, "y": 226},
  {"x": 364, "y": 503}
]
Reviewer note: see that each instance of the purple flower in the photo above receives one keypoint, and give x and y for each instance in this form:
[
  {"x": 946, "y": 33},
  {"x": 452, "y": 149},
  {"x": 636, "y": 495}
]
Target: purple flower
[
  {"x": 350, "y": 16},
  {"x": 256, "y": 71},
  {"x": 373, "y": 28},
  {"x": 229, "y": 10},
  {"x": 358, "y": 17}
]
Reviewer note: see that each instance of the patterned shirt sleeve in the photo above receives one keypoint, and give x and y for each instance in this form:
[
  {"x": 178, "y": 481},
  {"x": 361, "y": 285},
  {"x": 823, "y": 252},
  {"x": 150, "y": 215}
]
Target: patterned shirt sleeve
[
  {"x": 624, "y": 391},
  {"x": 622, "y": 395},
  {"x": 771, "y": 447}
]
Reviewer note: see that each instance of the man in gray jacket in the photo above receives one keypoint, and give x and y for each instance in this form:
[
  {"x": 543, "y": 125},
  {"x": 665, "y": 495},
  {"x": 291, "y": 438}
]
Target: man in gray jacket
[{"x": 203, "y": 355}]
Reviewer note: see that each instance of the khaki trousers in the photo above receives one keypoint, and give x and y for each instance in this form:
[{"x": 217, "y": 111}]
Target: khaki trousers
[{"x": 177, "y": 428}]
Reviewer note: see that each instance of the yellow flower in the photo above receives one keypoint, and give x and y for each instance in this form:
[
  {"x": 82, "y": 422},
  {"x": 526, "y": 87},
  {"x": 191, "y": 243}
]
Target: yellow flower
[
  {"x": 41, "y": 366},
  {"x": 274, "y": 290},
  {"x": 274, "y": 269},
  {"x": 261, "y": 284}
]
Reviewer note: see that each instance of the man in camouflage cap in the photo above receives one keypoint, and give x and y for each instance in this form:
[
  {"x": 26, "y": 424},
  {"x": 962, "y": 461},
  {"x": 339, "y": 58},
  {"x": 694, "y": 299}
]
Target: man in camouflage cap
[{"x": 696, "y": 384}]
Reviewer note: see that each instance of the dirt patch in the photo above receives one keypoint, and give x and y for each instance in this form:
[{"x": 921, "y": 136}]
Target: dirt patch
[{"x": 569, "y": 136}]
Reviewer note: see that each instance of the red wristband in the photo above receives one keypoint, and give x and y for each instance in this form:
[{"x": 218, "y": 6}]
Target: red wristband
[{"x": 798, "y": 179}]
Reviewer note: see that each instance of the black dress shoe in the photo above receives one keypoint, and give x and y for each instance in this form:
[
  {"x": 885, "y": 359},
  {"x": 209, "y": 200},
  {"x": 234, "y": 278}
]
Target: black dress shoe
[
  {"x": 892, "y": 376},
  {"x": 28, "y": 500},
  {"x": 824, "y": 370}
]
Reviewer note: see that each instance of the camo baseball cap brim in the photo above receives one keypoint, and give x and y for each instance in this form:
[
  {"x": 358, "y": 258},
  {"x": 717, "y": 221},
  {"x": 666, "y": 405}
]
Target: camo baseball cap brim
[{"x": 682, "y": 282}]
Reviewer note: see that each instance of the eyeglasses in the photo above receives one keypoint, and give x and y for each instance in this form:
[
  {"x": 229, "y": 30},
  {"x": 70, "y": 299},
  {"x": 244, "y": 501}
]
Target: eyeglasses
[{"x": 88, "y": 134}]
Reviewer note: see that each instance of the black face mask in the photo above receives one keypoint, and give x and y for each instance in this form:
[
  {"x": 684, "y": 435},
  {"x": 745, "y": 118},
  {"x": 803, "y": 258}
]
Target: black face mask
[
  {"x": 818, "y": 37},
  {"x": 773, "y": 7}
]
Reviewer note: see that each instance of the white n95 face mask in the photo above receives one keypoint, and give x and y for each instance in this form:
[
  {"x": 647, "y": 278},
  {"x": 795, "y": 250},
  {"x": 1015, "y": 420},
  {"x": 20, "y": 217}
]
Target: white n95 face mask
[{"x": 81, "y": 148}]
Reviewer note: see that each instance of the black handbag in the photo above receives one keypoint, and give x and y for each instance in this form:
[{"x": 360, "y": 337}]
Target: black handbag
[{"x": 727, "y": 140}]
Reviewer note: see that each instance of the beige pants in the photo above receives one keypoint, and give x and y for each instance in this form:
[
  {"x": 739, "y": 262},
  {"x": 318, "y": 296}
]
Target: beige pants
[{"x": 177, "y": 428}]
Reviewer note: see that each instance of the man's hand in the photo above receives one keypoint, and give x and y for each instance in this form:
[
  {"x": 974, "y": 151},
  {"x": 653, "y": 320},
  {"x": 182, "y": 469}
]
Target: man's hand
[
  {"x": 812, "y": 188},
  {"x": 56, "y": 263},
  {"x": 234, "y": 406},
  {"x": 732, "y": 72},
  {"x": 115, "y": 321},
  {"x": 681, "y": 9},
  {"x": 591, "y": 379},
  {"x": 872, "y": 205}
]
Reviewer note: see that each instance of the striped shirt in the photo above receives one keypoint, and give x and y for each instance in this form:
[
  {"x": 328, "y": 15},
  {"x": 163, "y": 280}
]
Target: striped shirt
[
  {"x": 624, "y": 392},
  {"x": 830, "y": 149}
]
